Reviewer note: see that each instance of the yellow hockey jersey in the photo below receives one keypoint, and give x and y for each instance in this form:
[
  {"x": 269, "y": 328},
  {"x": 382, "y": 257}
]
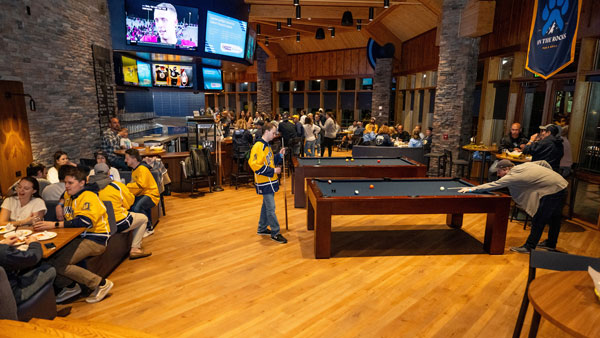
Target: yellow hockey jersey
[
  {"x": 120, "y": 197},
  {"x": 86, "y": 210},
  {"x": 143, "y": 183},
  {"x": 263, "y": 162}
]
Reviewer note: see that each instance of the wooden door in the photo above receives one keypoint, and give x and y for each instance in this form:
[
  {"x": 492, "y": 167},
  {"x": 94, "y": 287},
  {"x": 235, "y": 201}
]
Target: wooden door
[{"x": 15, "y": 144}]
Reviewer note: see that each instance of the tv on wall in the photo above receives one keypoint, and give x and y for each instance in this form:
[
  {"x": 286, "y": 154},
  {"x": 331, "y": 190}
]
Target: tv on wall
[
  {"x": 161, "y": 24},
  {"x": 173, "y": 75},
  {"x": 225, "y": 35},
  {"x": 213, "y": 79},
  {"x": 144, "y": 71},
  {"x": 130, "y": 71},
  {"x": 250, "y": 45}
]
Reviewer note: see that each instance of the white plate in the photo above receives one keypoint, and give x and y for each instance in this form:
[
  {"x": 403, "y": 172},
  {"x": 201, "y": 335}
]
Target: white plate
[
  {"x": 20, "y": 233},
  {"x": 42, "y": 236},
  {"x": 6, "y": 228}
]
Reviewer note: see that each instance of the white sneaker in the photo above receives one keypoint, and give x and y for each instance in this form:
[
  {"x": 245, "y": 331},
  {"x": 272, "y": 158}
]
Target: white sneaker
[
  {"x": 67, "y": 293},
  {"x": 100, "y": 292},
  {"x": 148, "y": 233}
]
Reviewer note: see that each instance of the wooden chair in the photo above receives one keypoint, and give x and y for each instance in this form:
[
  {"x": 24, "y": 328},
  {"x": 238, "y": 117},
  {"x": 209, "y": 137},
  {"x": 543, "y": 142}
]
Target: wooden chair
[
  {"x": 462, "y": 164},
  {"x": 549, "y": 260}
]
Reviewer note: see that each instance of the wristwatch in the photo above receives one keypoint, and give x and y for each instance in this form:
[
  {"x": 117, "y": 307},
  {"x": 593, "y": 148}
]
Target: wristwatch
[{"x": 56, "y": 224}]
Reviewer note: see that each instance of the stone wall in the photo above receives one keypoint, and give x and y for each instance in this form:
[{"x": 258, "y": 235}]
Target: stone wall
[
  {"x": 50, "y": 51},
  {"x": 264, "y": 90},
  {"x": 457, "y": 72},
  {"x": 382, "y": 82}
]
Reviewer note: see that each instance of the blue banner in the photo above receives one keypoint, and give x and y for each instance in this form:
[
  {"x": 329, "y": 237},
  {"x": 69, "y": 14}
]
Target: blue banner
[{"x": 553, "y": 36}]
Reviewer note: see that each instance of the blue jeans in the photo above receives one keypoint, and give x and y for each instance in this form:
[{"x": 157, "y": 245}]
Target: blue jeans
[
  {"x": 309, "y": 148},
  {"x": 143, "y": 205},
  {"x": 267, "y": 215}
]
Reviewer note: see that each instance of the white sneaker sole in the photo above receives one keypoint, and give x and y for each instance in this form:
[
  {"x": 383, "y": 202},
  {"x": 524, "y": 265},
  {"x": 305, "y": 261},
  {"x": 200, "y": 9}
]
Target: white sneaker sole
[
  {"x": 96, "y": 300},
  {"x": 68, "y": 296}
]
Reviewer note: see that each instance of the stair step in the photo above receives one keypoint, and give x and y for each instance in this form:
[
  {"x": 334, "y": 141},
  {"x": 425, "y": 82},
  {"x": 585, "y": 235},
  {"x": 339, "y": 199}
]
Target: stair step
[
  {"x": 11, "y": 328},
  {"x": 94, "y": 329}
]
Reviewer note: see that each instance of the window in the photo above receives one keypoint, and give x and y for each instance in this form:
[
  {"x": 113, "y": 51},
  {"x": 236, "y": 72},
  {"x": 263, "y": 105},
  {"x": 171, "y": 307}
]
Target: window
[
  {"x": 365, "y": 100},
  {"x": 298, "y": 102},
  {"x": 283, "y": 86},
  {"x": 347, "y": 105},
  {"x": 506, "y": 64},
  {"x": 284, "y": 102},
  {"x": 298, "y": 86},
  {"x": 349, "y": 84},
  {"x": 314, "y": 102},
  {"x": 244, "y": 87},
  {"x": 252, "y": 87},
  {"x": 331, "y": 84},
  {"x": 315, "y": 85},
  {"x": 590, "y": 145},
  {"x": 424, "y": 79}
]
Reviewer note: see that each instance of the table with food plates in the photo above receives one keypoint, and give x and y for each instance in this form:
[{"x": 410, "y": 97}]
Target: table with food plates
[
  {"x": 58, "y": 237},
  {"x": 522, "y": 158},
  {"x": 145, "y": 151},
  {"x": 485, "y": 151}
]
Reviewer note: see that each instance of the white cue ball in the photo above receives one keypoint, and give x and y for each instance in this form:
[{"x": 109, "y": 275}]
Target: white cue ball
[
  {"x": 329, "y": 181},
  {"x": 442, "y": 188},
  {"x": 355, "y": 192}
]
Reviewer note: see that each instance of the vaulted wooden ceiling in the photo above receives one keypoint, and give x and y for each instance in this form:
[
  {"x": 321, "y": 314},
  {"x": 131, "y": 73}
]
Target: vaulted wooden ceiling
[{"x": 403, "y": 20}]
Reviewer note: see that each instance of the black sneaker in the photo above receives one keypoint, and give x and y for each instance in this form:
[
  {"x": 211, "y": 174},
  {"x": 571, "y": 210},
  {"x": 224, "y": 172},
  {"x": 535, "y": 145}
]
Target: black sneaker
[
  {"x": 264, "y": 232},
  {"x": 544, "y": 245},
  {"x": 520, "y": 249},
  {"x": 279, "y": 239}
]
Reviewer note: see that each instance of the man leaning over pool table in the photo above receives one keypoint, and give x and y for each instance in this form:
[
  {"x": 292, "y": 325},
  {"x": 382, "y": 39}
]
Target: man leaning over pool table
[{"x": 540, "y": 191}]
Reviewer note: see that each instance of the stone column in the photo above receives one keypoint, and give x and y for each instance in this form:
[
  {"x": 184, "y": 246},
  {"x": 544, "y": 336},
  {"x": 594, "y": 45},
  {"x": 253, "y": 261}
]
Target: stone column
[
  {"x": 382, "y": 84},
  {"x": 457, "y": 72},
  {"x": 264, "y": 90}
]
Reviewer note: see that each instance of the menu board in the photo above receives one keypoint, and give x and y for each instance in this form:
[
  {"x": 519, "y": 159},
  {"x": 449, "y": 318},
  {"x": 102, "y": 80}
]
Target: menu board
[{"x": 105, "y": 91}]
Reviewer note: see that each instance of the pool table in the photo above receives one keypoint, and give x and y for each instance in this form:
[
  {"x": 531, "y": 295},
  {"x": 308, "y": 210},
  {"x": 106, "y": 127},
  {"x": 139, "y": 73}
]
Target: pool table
[
  {"x": 403, "y": 196},
  {"x": 324, "y": 167}
]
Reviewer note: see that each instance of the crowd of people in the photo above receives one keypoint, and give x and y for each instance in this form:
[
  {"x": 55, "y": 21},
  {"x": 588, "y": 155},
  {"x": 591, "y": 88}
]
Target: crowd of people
[{"x": 80, "y": 196}]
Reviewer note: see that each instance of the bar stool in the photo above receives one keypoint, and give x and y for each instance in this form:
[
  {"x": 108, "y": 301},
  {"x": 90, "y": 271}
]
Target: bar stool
[
  {"x": 439, "y": 157},
  {"x": 462, "y": 164}
]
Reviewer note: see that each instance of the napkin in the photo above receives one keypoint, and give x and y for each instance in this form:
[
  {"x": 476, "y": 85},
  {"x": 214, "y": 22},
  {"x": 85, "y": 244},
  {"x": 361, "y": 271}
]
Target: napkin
[{"x": 596, "y": 278}]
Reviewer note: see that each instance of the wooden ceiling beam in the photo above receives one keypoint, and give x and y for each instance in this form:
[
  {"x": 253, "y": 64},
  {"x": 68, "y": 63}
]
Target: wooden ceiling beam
[
  {"x": 308, "y": 26},
  {"x": 283, "y": 12},
  {"x": 379, "y": 32},
  {"x": 273, "y": 49},
  {"x": 433, "y": 6}
]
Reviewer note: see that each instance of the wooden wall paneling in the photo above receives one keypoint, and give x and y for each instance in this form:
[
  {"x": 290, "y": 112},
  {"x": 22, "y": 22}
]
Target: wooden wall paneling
[
  {"x": 347, "y": 62},
  {"x": 319, "y": 61},
  {"x": 332, "y": 64},
  {"x": 589, "y": 25},
  {"x": 362, "y": 64},
  {"x": 339, "y": 57},
  {"x": 15, "y": 142},
  {"x": 294, "y": 69},
  {"x": 325, "y": 64},
  {"x": 419, "y": 53},
  {"x": 355, "y": 58}
]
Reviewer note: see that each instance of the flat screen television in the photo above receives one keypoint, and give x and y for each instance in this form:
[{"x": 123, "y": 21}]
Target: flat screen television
[
  {"x": 181, "y": 76},
  {"x": 250, "y": 45},
  {"x": 130, "y": 71},
  {"x": 225, "y": 35},
  {"x": 211, "y": 62},
  {"x": 213, "y": 79},
  {"x": 161, "y": 24},
  {"x": 144, "y": 71}
]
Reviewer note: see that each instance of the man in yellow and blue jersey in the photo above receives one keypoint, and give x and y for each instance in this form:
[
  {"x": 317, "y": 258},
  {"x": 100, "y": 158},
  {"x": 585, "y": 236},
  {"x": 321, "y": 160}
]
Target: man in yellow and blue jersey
[
  {"x": 82, "y": 209},
  {"x": 263, "y": 163},
  {"x": 143, "y": 186}
]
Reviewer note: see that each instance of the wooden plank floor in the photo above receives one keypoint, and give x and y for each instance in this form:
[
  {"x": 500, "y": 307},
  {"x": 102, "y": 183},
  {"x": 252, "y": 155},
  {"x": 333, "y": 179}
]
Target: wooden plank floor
[{"x": 211, "y": 275}]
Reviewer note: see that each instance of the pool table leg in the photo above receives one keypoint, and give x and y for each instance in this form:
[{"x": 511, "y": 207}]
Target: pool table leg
[
  {"x": 323, "y": 231},
  {"x": 454, "y": 220},
  {"x": 299, "y": 194},
  {"x": 495, "y": 230},
  {"x": 310, "y": 216}
]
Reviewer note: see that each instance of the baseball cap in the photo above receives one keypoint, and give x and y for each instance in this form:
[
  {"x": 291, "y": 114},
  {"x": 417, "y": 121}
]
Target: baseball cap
[
  {"x": 101, "y": 168},
  {"x": 552, "y": 128}
]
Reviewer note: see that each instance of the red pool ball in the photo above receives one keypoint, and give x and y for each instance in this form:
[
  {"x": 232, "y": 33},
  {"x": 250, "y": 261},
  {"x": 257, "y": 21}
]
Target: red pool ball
[
  {"x": 371, "y": 186},
  {"x": 378, "y": 161}
]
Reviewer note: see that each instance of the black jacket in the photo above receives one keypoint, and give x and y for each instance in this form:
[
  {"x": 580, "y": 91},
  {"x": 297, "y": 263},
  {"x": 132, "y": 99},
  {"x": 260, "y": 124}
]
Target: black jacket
[
  {"x": 13, "y": 260},
  {"x": 287, "y": 129},
  {"x": 550, "y": 149},
  {"x": 510, "y": 143}
]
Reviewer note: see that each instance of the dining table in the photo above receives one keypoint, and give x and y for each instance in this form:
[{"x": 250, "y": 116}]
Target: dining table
[
  {"x": 484, "y": 150},
  {"x": 567, "y": 300},
  {"x": 63, "y": 237}
]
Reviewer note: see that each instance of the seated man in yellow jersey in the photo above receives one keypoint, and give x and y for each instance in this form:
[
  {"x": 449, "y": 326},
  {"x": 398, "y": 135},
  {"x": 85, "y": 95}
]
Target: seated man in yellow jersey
[
  {"x": 122, "y": 199},
  {"x": 143, "y": 186},
  {"x": 83, "y": 208}
]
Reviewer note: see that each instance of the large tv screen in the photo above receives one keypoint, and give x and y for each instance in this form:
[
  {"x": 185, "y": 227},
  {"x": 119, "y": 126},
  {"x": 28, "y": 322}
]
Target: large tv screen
[
  {"x": 250, "y": 45},
  {"x": 162, "y": 24},
  {"x": 173, "y": 75},
  {"x": 225, "y": 35},
  {"x": 212, "y": 79},
  {"x": 144, "y": 71},
  {"x": 130, "y": 71}
]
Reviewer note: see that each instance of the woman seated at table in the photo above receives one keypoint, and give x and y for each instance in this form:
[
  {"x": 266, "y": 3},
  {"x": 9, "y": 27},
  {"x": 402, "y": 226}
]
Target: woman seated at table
[
  {"x": 26, "y": 207},
  {"x": 415, "y": 140},
  {"x": 383, "y": 137},
  {"x": 101, "y": 157},
  {"x": 60, "y": 158}
]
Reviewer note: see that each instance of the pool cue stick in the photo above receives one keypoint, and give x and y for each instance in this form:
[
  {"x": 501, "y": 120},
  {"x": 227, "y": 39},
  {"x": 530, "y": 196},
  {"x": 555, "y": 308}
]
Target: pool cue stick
[
  {"x": 284, "y": 186},
  {"x": 456, "y": 188}
]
